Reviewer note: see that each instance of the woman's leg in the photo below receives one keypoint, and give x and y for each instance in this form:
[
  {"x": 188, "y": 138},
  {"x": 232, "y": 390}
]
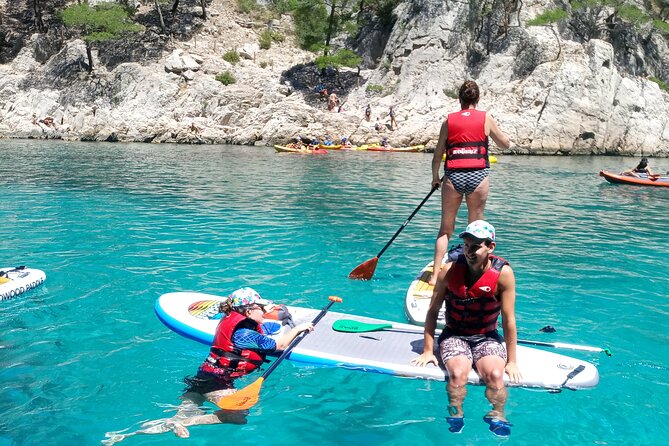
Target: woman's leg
[
  {"x": 450, "y": 203},
  {"x": 476, "y": 201}
]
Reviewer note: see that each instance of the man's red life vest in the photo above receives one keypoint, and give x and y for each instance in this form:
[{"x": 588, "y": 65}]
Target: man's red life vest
[
  {"x": 224, "y": 357},
  {"x": 473, "y": 310},
  {"x": 467, "y": 143}
]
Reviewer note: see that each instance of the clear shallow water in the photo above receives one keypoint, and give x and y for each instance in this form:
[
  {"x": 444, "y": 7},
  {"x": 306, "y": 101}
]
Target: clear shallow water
[{"x": 114, "y": 226}]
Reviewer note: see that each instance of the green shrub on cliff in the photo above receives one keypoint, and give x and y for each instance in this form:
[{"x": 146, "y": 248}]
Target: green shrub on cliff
[
  {"x": 231, "y": 56},
  {"x": 662, "y": 85},
  {"x": 547, "y": 17},
  {"x": 265, "y": 39},
  {"x": 104, "y": 22},
  {"x": 226, "y": 78},
  {"x": 341, "y": 58}
]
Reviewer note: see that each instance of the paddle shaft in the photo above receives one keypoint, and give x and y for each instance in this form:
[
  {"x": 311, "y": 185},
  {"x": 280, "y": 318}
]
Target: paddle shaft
[
  {"x": 296, "y": 341},
  {"x": 406, "y": 222},
  {"x": 586, "y": 348},
  {"x": 361, "y": 327}
]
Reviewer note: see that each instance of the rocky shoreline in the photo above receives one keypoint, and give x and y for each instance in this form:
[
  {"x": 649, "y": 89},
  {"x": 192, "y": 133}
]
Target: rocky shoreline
[{"x": 551, "y": 95}]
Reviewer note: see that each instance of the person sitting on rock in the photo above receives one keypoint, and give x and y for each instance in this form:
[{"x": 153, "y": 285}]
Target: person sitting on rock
[{"x": 333, "y": 101}]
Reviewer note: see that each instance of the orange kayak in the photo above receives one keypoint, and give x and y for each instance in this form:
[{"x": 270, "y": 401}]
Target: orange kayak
[{"x": 638, "y": 181}]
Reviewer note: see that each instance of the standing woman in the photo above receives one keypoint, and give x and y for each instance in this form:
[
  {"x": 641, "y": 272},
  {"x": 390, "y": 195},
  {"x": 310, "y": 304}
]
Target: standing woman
[
  {"x": 239, "y": 348},
  {"x": 464, "y": 140}
]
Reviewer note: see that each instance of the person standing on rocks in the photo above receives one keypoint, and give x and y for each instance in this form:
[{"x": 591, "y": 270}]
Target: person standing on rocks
[
  {"x": 464, "y": 140},
  {"x": 368, "y": 113},
  {"x": 393, "y": 122}
]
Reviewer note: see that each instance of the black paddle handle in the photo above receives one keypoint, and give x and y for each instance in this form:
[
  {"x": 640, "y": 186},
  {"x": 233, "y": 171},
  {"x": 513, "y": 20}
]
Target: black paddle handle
[
  {"x": 296, "y": 341},
  {"x": 406, "y": 222}
]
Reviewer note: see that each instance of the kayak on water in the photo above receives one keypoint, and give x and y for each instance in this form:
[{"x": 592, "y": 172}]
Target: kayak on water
[
  {"x": 339, "y": 341},
  {"x": 285, "y": 149},
  {"x": 18, "y": 280},
  {"x": 641, "y": 180},
  {"x": 378, "y": 148}
]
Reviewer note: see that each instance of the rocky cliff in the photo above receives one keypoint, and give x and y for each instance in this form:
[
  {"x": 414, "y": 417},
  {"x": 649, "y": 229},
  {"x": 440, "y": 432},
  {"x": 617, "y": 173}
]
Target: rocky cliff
[{"x": 551, "y": 89}]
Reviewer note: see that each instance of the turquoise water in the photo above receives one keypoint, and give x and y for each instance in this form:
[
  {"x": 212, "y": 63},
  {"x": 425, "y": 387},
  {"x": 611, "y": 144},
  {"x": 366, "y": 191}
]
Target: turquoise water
[{"x": 114, "y": 226}]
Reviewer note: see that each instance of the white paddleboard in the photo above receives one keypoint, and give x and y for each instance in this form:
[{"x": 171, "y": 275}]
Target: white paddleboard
[
  {"x": 417, "y": 300},
  {"x": 18, "y": 280},
  {"x": 195, "y": 315}
]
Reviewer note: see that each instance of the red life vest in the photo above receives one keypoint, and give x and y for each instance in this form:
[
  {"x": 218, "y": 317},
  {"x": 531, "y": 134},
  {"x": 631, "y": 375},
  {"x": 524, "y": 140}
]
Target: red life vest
[
  {"x": 224, "y": 357},
  {"x": 467, "y": 143},
  {"x": 473, "y": 310}
]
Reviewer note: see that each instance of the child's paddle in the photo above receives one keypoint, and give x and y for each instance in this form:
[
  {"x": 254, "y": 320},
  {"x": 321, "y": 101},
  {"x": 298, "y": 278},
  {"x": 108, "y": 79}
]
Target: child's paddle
[{"x": 249, "y": 395}]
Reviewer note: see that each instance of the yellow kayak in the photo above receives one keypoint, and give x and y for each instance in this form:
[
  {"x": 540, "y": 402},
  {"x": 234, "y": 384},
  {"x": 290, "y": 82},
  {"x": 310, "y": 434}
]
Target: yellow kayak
[
  {"x": 284, "y": 149},
  {"x": 379, "y": 148}
]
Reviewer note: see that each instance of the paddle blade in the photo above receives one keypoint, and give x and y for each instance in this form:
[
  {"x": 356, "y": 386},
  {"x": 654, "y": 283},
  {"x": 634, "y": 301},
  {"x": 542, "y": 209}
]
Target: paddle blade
[
  {"x": 242, "y": 399},
  {"x": 365, "y": 270},
  {"x": 349, "y": 326}
]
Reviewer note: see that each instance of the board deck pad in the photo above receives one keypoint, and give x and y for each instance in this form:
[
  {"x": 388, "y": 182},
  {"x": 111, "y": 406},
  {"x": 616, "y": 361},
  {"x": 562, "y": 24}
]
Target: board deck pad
[{"x": 388, "y": 351}]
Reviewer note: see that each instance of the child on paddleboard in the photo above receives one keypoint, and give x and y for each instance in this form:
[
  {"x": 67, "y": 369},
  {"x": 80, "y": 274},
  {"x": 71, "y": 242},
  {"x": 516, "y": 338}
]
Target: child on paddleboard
[{"x": 239, "y": 348}]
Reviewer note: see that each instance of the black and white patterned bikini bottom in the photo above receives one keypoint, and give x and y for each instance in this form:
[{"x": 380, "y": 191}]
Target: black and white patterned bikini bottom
[{"x": 465, "y": 181}]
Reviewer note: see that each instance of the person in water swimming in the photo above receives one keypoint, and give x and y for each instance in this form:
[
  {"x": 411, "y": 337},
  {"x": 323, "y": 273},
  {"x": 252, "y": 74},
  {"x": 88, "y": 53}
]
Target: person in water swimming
[
  {"x": 239, "y": 347},
  {"x": 642, "y": 169},
  {"x": 464, "y": 140},
  {"x": 476, "y": 289}
]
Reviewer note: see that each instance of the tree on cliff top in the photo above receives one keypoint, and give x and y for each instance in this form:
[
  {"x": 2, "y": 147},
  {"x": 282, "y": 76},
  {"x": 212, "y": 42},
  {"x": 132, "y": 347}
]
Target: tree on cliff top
[{"x": 98, "y": 24}]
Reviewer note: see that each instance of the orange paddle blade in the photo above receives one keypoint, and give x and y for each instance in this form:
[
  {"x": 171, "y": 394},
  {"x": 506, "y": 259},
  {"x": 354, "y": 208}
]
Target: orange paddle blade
[
  {"x": 242, "y": 399},
  {"x": 365, "y": 270}
]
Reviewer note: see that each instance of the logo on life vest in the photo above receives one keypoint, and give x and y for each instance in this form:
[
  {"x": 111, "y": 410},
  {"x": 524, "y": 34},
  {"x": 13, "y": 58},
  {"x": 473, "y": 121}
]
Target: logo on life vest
[
  {"x": 466, "y": 114},
  {"x": 485, "y": 289},
  {"x": 461, "y": 151}
]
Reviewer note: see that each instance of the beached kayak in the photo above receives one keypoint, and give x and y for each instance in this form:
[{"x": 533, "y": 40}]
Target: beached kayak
[
  {"x": 284, "y": 149},
  {"x": 642, "y": 180},
  {"x": 16, "y": 281},
  {"x": 388, "y": 351},
  {"x": 418, "y": 148}
]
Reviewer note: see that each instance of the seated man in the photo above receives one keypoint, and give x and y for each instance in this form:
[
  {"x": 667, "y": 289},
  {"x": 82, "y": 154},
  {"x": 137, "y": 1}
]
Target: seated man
[{"x": 476, "y": 289}]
